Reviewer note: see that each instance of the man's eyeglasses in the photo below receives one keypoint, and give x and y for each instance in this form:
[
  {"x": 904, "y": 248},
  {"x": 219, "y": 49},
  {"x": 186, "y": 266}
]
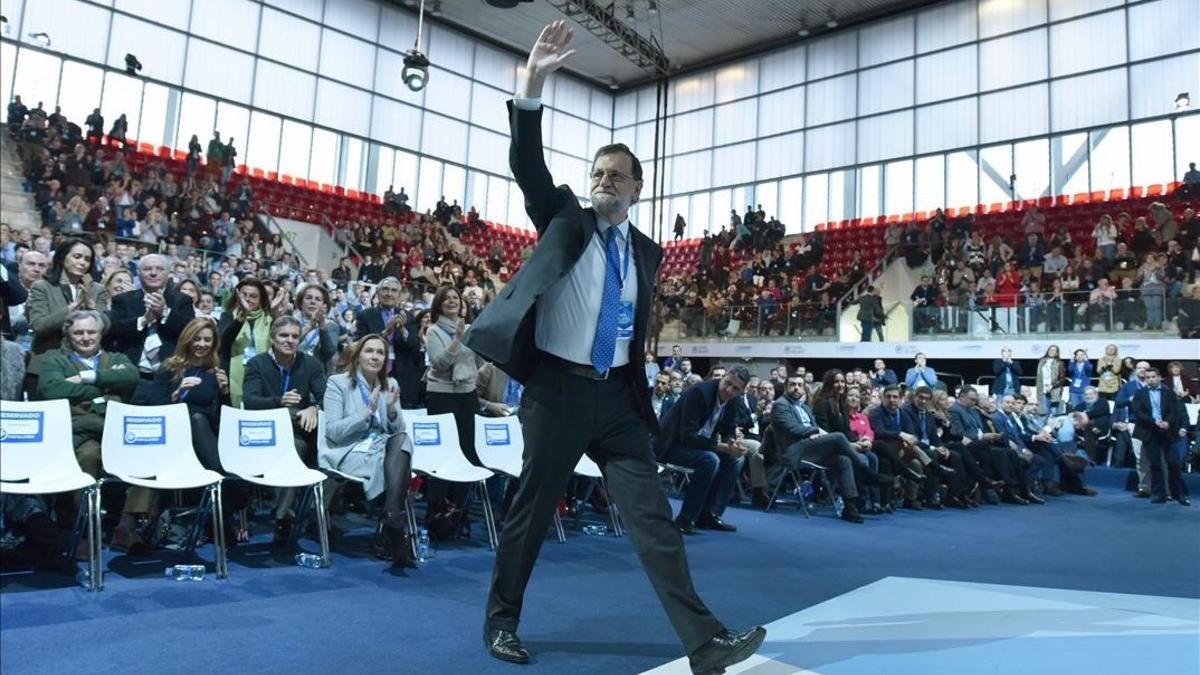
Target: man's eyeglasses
[{"x": 614, "y": 177}]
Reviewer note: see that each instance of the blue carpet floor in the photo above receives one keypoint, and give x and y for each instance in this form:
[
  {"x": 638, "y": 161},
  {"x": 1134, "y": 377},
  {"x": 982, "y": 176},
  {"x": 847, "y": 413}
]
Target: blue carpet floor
[{"x": 589, "y": 608}]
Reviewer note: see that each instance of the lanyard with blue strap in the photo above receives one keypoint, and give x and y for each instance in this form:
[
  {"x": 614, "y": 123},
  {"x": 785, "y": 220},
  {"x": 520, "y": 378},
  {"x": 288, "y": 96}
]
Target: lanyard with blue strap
[
  {"x": 285, "y": 374},
  {"x": 184, "y": 394},
  {"x": 365, "y": 393}
]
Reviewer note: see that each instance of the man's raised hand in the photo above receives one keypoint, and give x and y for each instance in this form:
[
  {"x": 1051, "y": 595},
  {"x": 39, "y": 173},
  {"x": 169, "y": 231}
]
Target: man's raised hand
[{"x": 547, "y": 55}]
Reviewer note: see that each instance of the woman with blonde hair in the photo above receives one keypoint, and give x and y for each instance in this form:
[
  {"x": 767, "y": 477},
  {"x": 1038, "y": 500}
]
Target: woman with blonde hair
[
  {"x": 365, "y": 436},
  {"x": 118, "y": 281},
  {"x": 1108, "y": 370},
  {"x": 193, "y": 376}
]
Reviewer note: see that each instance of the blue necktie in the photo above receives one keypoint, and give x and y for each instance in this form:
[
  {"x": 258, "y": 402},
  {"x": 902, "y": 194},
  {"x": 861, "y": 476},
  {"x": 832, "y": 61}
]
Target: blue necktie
[{"x": 605, "y": 342}]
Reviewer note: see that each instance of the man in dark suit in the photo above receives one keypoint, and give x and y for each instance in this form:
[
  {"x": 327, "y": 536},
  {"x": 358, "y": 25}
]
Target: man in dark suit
[
  {"x": 1099, "y": 425},
  {"x": 400, "y": 330},
  {"x": 1158, "y": 423},
  {"x": 919, "y": 422},
  {"x": 146, "y": 322},
  {"x": 571, "y": 325},
  {"x": 998, "y": 461},
  {"x": 700, "y": 433},
  {"x": 798, "y": 439},
  {"x": 661, "y": 396}
]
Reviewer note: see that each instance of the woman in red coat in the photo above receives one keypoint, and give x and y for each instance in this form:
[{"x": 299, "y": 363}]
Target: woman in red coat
[{"x": 1008, "y": 290}]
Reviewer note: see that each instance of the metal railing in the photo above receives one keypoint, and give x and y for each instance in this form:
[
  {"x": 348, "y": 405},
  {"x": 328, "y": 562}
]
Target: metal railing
[
  {"x": 1130, "y": 312},
  {"x": 759, "y": 321}
]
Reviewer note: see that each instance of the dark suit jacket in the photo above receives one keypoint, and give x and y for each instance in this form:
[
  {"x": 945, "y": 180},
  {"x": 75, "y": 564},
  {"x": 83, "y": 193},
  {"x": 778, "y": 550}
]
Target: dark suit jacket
[
  {"x": 262, "y": 383},
  {"x": 786, "y": 425},
  {"x": 830, "y": 418},
  {"x": 966, "y": 423},
  {"x": 124, "y": 336},
  {"x": 1013, "y": 370},
  {"x": 504, "y": 331},
  {"x": 1099, "y": 416},
  {"x": 1142, "y": 416},
  {"x": 682, "y": 424},
  {"x": 910, "y": 421},
  {"x": 408, "y": 361},
  {"x": 669, "y": 401}
]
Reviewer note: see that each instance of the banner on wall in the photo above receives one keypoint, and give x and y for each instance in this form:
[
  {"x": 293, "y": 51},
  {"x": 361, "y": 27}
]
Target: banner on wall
[{"x": 1156, "y": 350}]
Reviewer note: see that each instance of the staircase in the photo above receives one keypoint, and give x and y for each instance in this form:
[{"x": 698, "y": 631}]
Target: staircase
[{"x": 17, "y": 208}]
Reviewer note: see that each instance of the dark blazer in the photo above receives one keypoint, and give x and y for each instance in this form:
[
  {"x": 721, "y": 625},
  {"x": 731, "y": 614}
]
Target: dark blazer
[
  {"x": 682, "y": 424},
  {"x": 910, "y": 421},
  {"x": 1142, "y": 415},
  {"x": 1001, "y": 369},
  {"x": 786, "y": 425},
  {"x": 503, "y": 333},
  {"x": 964, "y": 422},
  {"x": 262, "y": 384},
  {"x": 11, "y": 293},
  {"x": 124, "y": 336},
  {"x": 883, "y": 423},
  {"x": 408, "y": 360},
  {"x": 1099, "y": 416},
  {"x": 830, "y": 419},
  {"x": 888, "y": 376},
  {"x": 669, "y": 401}
]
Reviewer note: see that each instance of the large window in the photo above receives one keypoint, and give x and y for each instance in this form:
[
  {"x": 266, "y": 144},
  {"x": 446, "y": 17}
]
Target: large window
[
  {"x": 197, "y": 117},
  {"x": 930, "y": 183},
  {"x": 1110, "y": 158}
]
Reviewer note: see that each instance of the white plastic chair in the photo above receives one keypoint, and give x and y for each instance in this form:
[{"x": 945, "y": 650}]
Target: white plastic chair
[
  {"x": 37, "y": 457},
  {"x": 500, "y": 444},
  {"x": 437, "y": 454},
  {"x": 151, "y": 447},
  {"x": 259, "y": 446},
  {"x": 588, "y": 469}
]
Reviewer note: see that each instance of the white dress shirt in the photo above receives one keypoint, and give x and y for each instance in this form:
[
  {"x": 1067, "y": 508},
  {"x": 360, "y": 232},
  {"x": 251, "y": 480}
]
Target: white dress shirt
[{"x": 567, "y": 314}]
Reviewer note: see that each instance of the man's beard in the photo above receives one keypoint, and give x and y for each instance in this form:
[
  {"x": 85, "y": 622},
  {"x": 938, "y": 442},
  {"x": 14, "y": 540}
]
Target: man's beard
[{"x": 606, "y": 203}]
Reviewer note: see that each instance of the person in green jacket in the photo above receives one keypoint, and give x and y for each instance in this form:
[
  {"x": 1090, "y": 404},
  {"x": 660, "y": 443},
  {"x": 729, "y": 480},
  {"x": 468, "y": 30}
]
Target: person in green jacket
[{"x": 89, "y": 378}]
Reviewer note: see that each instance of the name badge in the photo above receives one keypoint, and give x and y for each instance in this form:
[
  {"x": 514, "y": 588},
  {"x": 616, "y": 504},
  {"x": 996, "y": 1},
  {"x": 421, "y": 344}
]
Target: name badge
[
  {"x": 1078, "y": 383},
  {"x": 248, "y": 353},
  {"x": 625, "y": 320}
]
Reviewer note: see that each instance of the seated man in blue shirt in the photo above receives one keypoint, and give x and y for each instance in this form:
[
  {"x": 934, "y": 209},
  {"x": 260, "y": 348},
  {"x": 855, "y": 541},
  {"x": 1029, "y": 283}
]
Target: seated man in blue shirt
[{"x": 1036, "y": 467}]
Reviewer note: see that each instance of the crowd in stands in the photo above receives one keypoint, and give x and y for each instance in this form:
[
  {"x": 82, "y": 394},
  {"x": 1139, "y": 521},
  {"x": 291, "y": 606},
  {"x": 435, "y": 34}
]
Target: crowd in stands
[
  {"x": 1125, "y": 271},
  {"x": 147, "y": 284}
]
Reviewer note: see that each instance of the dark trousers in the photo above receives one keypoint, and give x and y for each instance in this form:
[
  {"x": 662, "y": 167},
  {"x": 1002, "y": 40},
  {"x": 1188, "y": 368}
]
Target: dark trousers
[
  {"x": 463, "y": 407},
  {"x": 562, "y": 417},
  {"x": 834, "y": 452},
  {"x": 1159, "y": 450},
  {"x": 714, "y": 475},
  {"x": 868, "y": 326}
]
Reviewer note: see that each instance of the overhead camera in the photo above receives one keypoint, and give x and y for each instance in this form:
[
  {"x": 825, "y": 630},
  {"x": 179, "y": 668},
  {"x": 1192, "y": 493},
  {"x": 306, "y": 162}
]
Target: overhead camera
[
  {"x": 132, "y": 65},
  {"x": 416, "y": 70}
]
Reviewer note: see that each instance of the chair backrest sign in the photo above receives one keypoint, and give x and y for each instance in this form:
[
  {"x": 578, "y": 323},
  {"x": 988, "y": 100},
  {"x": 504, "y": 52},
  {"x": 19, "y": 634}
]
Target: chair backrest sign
[
  {"x": 426, "y": 433},
  {"x": 145, "y": 430},
  {"x": 22, "y": 427},
  {"x": 256, "y": 433},
  {"x": 496, "y": 434}
]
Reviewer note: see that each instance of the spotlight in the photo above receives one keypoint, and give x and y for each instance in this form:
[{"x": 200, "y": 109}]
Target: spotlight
[
  {"x": 803, "y": 32},
  {"x": 612, "y": 83},
  {"x": 416, "y": 70},
  {"x": 629, "y": 15},
  {"x": 437, "y": 8},
  {"x": 41, "y": 39},
  {"x": 5, "y": 26},
  {"x": 132, "y": 65},
  {"x": 653, "y": 7},
  {"x": 1183, "y": 101},
  {"x": 832, "y": 21}
]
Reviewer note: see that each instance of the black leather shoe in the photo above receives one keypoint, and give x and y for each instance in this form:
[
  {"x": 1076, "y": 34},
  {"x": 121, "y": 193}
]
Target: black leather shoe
[
  {"x": 850, "y": 514},
  {"x": 1011, "y": 497},
  {"x": 912, "y": 474},
  {"x": 932, "y": 504},
  {"x": 685, "y": 526},
  {"x": 1184, "y": 501},
  {"x": 946, "y": 470},
  {"x": 726, "y": 649},
  {"x": 1028, "y": 496},
  {"x": 708, "y": 521},
  {"x": 505, "y": 645}
]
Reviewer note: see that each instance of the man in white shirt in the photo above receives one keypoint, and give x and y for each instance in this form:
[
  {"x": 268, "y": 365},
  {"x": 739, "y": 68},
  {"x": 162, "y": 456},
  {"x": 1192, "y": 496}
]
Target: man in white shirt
[{"x": 571, "y": 326}]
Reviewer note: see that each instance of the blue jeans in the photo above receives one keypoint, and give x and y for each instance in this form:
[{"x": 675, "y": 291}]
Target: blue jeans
[
  {"x": 1109, "y": 251},
  {"x": 868, "y": 326},
  {"x": 714, "y": 475}
]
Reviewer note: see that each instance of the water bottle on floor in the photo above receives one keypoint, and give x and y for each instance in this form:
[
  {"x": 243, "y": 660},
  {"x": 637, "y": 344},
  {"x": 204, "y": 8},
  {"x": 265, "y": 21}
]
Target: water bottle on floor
[
  {"x": 185, "y": 572},
  {"x": 309, "y": 560},
  {"x": 424, "y": 552},
  {"x": 84, "y": 578},
  {"x": 595, "y": 530}
]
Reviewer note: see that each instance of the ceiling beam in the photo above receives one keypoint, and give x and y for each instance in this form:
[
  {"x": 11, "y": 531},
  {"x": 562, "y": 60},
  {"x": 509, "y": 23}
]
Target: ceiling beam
[{"x": 603, "y": 23}]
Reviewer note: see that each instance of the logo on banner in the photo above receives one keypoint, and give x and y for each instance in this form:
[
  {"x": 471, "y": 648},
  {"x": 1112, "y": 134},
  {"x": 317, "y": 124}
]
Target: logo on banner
[
  {"x": 426, "y": 433},
  {"x": 22, "y": 427},
  {"x": 256, "y": 433},
  {"x": 496, "y": 434},
  {"x": 145, "y": 430}
]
